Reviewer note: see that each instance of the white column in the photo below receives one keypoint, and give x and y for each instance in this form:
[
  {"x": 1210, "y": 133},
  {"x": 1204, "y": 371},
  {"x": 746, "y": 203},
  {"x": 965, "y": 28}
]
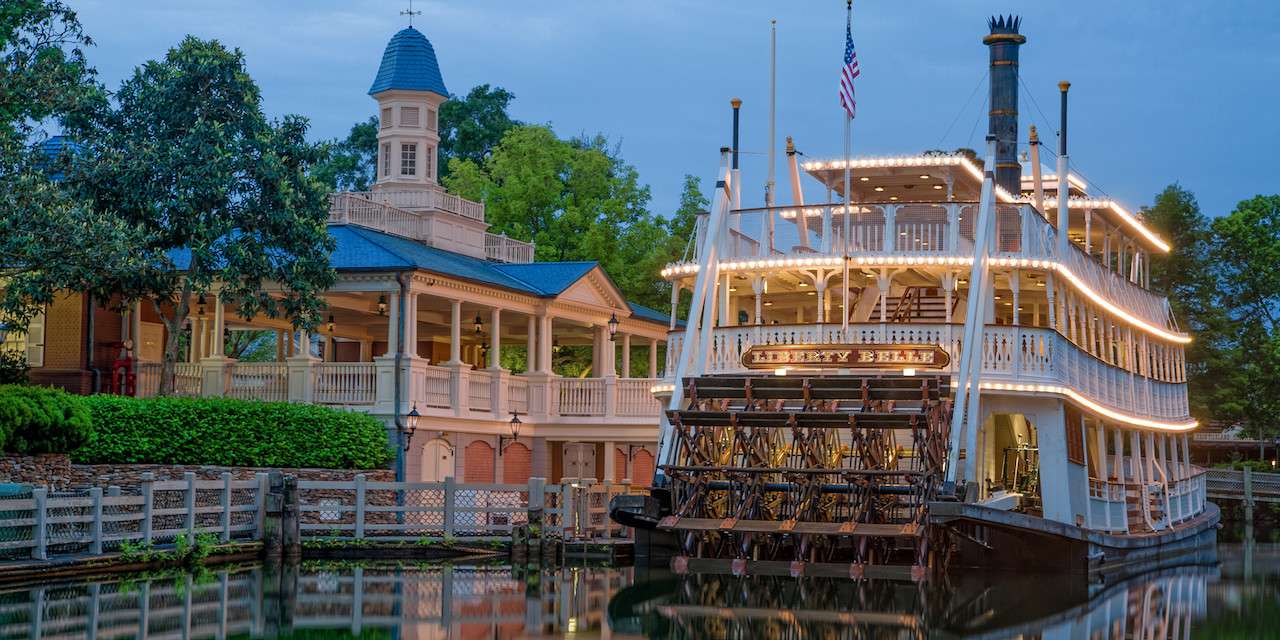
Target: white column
[
  {"x": 820, "y": 287},
  {"x": 675, "y": 303},
  {"x": 544, "y": 347},
  {"x": 608, "y": 354},
  {"x": 725, "y": 320},
  {"x": 626, "y": 356},
  {"x": 495, "y": 339},
  {"x": 411, "y": 324},
  {"x": 393, "y": 325},
  {"x": 197, "y": 339},
  {"x": 1102, "y": 451},
  {"x": 455, "y": 332},
  {"x": 1015, "y": 285},
  {"x": 757, "y": 285},
  {"x": 531, "y": 346},
  {"x": 219, "y": 346},
  {"x": 653, "y": 357}
]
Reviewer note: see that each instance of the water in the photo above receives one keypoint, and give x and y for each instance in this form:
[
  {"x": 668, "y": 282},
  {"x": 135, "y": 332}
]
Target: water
[{"x": 1240, "y": 598}]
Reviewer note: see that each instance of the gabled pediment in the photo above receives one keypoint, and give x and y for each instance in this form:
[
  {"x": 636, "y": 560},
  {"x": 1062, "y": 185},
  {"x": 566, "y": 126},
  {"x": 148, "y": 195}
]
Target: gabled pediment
[{"x": 595, "y": 289}]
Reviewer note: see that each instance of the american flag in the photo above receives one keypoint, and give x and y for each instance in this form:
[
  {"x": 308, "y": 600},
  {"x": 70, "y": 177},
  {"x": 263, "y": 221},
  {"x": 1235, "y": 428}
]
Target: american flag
[{"x": 850, "y": 69}]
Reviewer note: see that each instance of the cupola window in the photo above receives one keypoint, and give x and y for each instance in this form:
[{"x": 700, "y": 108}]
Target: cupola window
[
  {"x": 386, "y": 159},
  {"x": 386, "y": 117},
  {"x": 408, "y": 159},
  {"x": 408, "y": 116}
]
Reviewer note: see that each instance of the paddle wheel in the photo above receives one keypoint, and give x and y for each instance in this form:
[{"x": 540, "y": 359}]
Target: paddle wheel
[{"x": 830, "y": 470}]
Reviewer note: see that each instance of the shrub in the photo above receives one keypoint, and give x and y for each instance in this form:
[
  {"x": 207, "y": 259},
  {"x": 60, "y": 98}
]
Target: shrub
[
  {"x": 224, "y": 431},
  {"x": 13, "y": 367},
  {"x": 42, "y": 420}
]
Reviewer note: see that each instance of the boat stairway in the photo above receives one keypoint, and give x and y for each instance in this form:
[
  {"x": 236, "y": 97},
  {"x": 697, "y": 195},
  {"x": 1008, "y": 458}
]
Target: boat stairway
[{"x": 821, "y": 469}]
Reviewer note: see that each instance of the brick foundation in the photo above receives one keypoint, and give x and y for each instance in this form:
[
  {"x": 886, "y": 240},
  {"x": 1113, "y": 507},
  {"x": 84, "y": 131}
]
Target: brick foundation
[{"x": 57, "y": 471}]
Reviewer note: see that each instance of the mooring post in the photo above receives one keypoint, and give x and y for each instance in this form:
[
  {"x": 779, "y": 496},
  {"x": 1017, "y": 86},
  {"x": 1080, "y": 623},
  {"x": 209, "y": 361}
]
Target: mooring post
[
  {"x": 39, "y": 550},
  {"x": 291, "y": 526},
  {"x": 1248, "y": 497},
  {"x": 272, "y": 522}
]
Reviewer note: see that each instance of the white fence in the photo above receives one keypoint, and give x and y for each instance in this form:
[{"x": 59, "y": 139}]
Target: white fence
[
  {"x": 430, "y": 511},
  {"x": 47, "y": 524}
]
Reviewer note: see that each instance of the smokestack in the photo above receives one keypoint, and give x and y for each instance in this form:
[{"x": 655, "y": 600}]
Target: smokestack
[
  {"x": 737, "y": 106},
  {"x": 1003, "y": 42}
]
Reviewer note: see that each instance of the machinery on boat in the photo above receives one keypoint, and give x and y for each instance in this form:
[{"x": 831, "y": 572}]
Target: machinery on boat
[{"x": 944, "y": 363}]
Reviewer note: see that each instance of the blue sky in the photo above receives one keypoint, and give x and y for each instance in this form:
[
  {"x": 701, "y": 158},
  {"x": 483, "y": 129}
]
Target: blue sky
[{"x": 1176, "y": 90}]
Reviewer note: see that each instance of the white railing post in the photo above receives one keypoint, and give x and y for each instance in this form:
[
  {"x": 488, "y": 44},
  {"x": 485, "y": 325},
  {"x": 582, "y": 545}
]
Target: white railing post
[
  {"x": 450, "y": 500},
  {"x": 95, "y": 532},
  {"x": 226, "y": 506},
  {"x": 568, "y": 509},
  {"x": 610, "y": 396},
  {"x": 189, "y": 505},
  {"x": 360, "y": 500},
  {"x": 39, "y": 550},
  {"x": 148, "y": 505}
]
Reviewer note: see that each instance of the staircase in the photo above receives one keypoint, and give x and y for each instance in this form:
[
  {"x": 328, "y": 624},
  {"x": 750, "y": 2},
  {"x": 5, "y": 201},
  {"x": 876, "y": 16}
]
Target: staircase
[
  {"x": 916, "y": 304},
  {"x": 1138, "y": 522}
]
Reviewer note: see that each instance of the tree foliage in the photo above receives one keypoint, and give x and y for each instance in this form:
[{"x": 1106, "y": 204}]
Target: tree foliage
[
  {"x": 220, "y": 197},
  {"x": 47, "y": 235},
  {"x": 471, "y": 126},
  {"x": 350, "y": 164}
]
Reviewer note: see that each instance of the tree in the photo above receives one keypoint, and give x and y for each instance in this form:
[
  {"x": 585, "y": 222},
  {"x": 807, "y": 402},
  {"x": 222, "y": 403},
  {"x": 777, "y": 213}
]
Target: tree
[
  {"x": 576, "y": 199},
  {"x": 470, "y": 127},
  {"x": 351, "y": 164},
  {"x": 222, "y": 195},
  {"x": 1246, "y": 248},
  {"x": 1188, "y": 277},
  {"x": 47, "y": 236}
]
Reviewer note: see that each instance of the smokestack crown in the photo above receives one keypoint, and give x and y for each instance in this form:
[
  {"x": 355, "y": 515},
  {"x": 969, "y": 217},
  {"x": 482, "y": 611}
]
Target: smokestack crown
[{"x": 1004, "y": 29}]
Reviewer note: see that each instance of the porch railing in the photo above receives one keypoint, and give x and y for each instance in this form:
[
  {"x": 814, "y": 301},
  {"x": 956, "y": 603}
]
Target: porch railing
[
  {"x": 345, "y": 383},
  {"x": 267, "y": 381}
]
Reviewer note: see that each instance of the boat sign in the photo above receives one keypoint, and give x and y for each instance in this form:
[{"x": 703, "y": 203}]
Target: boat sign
[{"x": 845, "y": 356}]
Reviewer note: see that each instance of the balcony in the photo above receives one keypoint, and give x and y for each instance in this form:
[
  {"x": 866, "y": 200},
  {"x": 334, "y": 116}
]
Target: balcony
[
  {"x": 433, "y": 217},
  {"x": 479, "y": 394},
  {"x": 1013, "y": 359},
  {"x": 919, "y": 235}
]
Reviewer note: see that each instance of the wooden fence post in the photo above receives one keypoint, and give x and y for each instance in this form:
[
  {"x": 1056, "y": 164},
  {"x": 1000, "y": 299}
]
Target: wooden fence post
[
  {"x": 273, "y": 517},
  {"x": 450, "y": 500},
  {"x": 41, "y": 534},
  {"x": 148, "y": 505},
  {"x": 95, "y": 533},
  {"x": 189, "y": 505},
  {"x": 260, "y": 504},
  {"x": 291, "y": 517},
  {"x": 226, "y": 506},
  {"x": 568, "y": 509},
  {"x": 360, "y": 499},
  {"x": 536, "y": 520}
]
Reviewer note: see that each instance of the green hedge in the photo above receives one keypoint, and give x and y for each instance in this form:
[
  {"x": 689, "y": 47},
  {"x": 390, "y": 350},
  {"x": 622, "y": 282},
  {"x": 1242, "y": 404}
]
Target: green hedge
[
  {"x": 42, "y": 420},
  {"x": 223, "y": 431}
]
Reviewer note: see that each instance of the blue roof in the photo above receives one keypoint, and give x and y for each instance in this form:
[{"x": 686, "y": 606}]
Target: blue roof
[
  {"x": 360, "y": 249},
  {"x": 55, "y": 150},
  {"x": 409, "y": 63},
  {"x": 645, "y": 313}
]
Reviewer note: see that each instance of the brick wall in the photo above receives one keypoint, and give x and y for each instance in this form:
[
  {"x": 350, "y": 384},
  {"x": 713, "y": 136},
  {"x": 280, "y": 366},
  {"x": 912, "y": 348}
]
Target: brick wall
[{"x": 56, "y": 470}]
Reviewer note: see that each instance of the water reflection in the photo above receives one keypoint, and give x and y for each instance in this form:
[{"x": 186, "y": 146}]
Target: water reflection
[{"x": 1238, "y": 598}]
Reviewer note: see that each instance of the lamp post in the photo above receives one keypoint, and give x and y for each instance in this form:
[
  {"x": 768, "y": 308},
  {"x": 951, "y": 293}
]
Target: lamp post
[{"x": 514, "y": 426}]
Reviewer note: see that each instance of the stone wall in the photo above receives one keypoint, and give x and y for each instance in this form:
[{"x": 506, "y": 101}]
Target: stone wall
[{"x": 56, "y": 471}]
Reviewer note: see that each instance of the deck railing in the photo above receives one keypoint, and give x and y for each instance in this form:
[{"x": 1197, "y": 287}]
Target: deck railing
[
  {"x": 500, "y": 248},
  {"x": 345, "y": 383},
  {"x": 267, "y": 381},
  {"x": 1011, "y": 355},
  {"x": 1122, "y": 507}
]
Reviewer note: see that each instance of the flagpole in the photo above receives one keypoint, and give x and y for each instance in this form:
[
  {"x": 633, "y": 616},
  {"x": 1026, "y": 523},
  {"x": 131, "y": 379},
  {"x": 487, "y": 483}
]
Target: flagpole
[{"x": 848, "y": 224}]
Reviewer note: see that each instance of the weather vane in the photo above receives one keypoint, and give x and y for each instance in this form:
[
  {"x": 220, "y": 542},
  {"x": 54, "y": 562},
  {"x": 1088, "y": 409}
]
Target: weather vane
[{"x": 410, "y": 12}]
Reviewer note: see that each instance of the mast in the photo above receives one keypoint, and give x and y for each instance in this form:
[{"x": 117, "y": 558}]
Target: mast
[
  {"x": 1036, "y": 178},
  {"x": 1064, "y": 214},
  {"x": 966, "y": 412},
  {"x": 766, "y": 231},
  {"x": 797, "y": 194}
]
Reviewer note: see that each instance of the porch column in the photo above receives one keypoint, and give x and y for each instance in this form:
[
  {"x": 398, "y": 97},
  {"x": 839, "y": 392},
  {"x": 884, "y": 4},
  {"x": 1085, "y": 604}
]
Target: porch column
[
  {"x": 531, "y": 346},
  {"x": 820, "y": 288},
  {"x": 393, "y": 326},
  {"x": 219, "y": 323},
  {"x": 411, "y": 324},
  {"x": 197, "y": 339},
  {"x": 544, "y": 345},
  {"x": 653, "y": 357},
  {"x": 1186, "y": 453},
  {"x": 1119, "y": 441},
  {"x": 279, "y": 346},
  {"x": 495, "y": 339},
  {"x": 193, "y": 330},
  {"x": 366, "y": 350},
  {"x": 610, "y": 462},
  {"x": 1135, "y": 443},
  {"x": 455, "y": 332},
  {"x": 1049, "y": 293},
  {"x": 608, "y": 352},
  {"x": 626, "y": 355},
  {"x": 1102, "y": 451}
]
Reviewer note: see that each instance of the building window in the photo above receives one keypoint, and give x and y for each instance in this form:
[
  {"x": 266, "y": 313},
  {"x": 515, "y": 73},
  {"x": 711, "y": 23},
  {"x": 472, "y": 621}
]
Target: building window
[
  {"x": 432, "y": 122},
  {"x": 386, "y": 117},
  {"x": 408, "y": 116},
  {"x": 30, "y": 343},
  {"x": 427, "y": 162},
  {"x": 408, "y": 159},
  {"x": 386, "y": 159}
]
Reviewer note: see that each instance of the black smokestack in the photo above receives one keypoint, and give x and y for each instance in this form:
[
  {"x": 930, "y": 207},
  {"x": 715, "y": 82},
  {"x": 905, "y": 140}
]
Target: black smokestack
[{"x": 1003, "y": 42}]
